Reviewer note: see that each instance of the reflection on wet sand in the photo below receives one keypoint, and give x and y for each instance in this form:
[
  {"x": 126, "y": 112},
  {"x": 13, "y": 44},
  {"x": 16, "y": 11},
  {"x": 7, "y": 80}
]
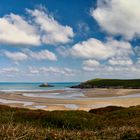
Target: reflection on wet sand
[{"x": 72, "y": 99}]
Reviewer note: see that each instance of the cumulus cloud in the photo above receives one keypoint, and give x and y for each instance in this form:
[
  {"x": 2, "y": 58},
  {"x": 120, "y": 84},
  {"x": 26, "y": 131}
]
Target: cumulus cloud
[
  {"x": 52, "y": 32},
  {"x": 16, "y": 56},
  {"x": 96, "y": 49},
  {"x": 120, "y": 61},
  {"x": 92, "y": 48},
  {"x": 28, "y": 54},
  {"x": 55, "y": 70},
  {"x": 91, "y": 63},
  {"x": 42, "y": 55},
  {"x": 63, "y": 50},
  {"x": 33, "y": 70},
  {"x": 110, "y": 56},
  {"x": 9, "y": 70},
  {"x": 16, "y": 30},
  {"x": 114, "y": 71},
  {"x": 116, "y": 67},
  {"x": 40, "y": 29},
  {"x": 118, "y": 17}
]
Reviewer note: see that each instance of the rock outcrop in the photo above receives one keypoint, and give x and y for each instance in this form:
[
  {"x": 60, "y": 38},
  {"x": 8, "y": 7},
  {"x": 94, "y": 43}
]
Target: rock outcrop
[{"x": 45, "y": 85}]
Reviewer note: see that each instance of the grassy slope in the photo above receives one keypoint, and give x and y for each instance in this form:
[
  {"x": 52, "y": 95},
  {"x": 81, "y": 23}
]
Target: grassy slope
[
  {"x": 130, "y": 83},
  {"x": 105, "y": 123}
]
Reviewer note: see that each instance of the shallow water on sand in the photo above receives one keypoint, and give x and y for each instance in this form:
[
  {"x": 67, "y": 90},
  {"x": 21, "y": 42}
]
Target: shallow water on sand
[
  {"x": 65, "y": 95},
  {"x": 77, "y": 94},
  {"x": 5, "y": 101}
]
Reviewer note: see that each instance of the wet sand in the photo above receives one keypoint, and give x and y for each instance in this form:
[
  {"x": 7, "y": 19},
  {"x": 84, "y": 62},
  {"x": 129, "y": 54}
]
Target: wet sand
[{"x": 93, "y": 98}]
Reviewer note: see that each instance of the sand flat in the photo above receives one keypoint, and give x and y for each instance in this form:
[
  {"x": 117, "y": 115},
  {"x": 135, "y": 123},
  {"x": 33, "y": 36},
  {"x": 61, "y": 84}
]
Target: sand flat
[{"x": 94, "y": 98}]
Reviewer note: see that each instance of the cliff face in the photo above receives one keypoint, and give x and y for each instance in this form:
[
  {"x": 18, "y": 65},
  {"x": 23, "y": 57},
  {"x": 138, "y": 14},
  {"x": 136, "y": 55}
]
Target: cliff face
[{"x": 110, "y": 83}]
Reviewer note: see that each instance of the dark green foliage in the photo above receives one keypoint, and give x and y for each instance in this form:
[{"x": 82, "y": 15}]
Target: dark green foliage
[
  {"x": 102, "y": 111},
  {"x": 104, "y": 123},
  {"x": 110, "y": 83},
  {"x": 128, "y": 135}
]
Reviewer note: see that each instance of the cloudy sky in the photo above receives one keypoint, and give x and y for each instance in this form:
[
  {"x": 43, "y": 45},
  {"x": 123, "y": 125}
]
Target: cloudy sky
[{"x": 69, "y": 40}]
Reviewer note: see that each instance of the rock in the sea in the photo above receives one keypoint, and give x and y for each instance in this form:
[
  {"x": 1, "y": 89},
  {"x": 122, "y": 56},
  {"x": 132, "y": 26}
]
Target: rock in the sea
[{"x": 45, "y": 85}]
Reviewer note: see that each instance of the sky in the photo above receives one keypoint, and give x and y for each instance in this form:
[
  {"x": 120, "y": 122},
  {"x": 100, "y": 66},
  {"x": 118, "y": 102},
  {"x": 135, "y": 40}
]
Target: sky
[{"x": 69, "y": 40}]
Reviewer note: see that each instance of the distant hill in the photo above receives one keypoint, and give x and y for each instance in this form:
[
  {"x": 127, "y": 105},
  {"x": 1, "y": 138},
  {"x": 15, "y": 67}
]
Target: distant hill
[{"x": 110, "y": 83}]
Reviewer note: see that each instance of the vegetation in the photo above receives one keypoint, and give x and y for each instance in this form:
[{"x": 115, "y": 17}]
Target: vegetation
[
  {"x": 105, "y": 123},
  {"x": 110, "y": 83}
]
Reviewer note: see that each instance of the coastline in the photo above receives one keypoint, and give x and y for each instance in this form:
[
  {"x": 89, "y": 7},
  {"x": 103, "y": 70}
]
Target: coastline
[{"x": 93, "y": 98}]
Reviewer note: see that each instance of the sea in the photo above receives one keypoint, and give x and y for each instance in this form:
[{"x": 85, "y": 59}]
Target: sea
[{"x": 34, "y": 86}]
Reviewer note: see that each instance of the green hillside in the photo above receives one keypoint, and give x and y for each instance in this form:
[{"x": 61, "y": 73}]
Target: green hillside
[{"x": 110, "y": 83}]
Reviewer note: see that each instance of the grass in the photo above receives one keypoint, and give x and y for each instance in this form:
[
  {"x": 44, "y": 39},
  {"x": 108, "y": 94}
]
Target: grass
[
  {"x": 105, "y": 123},
  {"x": 110, "y": 83}
]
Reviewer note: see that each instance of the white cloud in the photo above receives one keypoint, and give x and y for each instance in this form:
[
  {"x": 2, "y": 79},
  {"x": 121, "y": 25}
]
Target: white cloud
[
  {"x": 28, "y": 54},
  {"x": 52, "y": 69},
  {"x": 52, "y": 32},
  {"x": 92, "y": 48},
  {"x": 63, "y": 50},
  {"x": 120, "y": 48},
  {"x": 96, "y": 49},
  {"x": 113, "y": 71},
  {"x": 91, "y": 63},
  {"x": 107, "y": 57},
  {"x": 42, "y": 55},
  {"x": 15, "y": 30},
  {"x": 120, "y": 61},
  {"x": 88, "y": 69},
  {"x": 9, "y": 70},
  {"x": 118, "y": 17},
  {"x": 55, "y": 70},
  {"x": 40, "y": 29},
  {"x": 16, "y": 56},
  {"x": 33, "y": 70}
]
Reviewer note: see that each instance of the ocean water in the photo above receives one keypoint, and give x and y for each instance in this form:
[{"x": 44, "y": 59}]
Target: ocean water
[{"x": 6, "y": 86}]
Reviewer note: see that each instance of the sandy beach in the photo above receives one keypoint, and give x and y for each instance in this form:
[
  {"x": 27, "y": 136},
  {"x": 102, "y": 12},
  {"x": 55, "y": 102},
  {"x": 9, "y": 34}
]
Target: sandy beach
[{"x": 72, "y": 100}]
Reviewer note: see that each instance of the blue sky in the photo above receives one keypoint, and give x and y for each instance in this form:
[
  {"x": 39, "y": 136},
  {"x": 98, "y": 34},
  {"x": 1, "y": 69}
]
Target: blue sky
[{"x": 69, "y": 40}]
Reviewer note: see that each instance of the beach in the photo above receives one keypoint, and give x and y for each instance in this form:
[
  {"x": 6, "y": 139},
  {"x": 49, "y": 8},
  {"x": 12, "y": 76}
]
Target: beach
[{"x": 78, "y": 99}]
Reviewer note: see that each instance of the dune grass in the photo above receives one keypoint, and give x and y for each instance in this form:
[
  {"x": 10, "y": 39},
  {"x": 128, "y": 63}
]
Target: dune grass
[{"x": 104, "y": 123}]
